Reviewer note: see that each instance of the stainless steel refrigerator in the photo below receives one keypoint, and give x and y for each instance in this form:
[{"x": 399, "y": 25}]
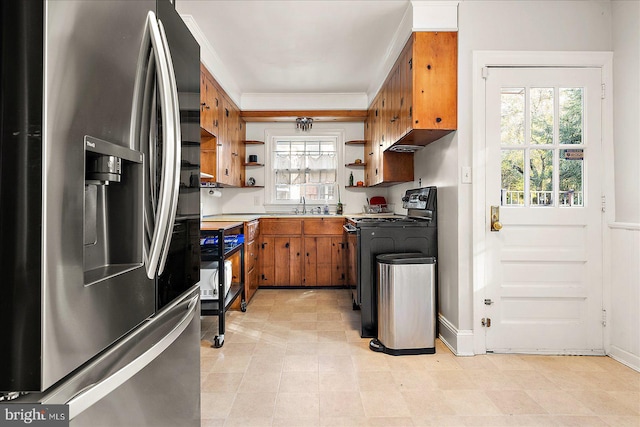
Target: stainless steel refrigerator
[{"x": 99, "y": 210}]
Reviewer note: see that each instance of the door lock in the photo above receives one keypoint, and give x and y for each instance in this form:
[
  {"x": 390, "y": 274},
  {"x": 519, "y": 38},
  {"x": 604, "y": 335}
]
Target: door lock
[{"x": 496, "y": 225}]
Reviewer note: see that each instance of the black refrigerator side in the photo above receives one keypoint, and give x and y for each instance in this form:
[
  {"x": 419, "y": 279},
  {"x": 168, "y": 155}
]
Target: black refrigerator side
[
  {"x": 21, "y": 94},
  {"x": 182, "y": 268}
]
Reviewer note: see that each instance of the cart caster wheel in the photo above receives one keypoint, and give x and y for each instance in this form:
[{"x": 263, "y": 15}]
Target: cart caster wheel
[
  {"x": 243, "y": 306},
  {"x": 218, "y": 342}
]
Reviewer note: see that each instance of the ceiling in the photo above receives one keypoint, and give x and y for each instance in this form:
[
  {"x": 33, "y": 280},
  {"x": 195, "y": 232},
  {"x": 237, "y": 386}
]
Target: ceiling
[{"x": 299, "y": 47}]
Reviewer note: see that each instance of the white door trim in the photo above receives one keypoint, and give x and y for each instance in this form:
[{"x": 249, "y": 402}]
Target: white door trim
[{"x": 483, "y": 59}]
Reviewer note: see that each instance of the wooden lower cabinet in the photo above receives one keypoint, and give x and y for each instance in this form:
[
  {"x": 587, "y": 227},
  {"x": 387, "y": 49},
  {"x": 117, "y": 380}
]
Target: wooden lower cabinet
[
  {"x": 339, "y": 261},
  {"x": 267, "y": 261},
  {"x": 317, "y": 261},
  {"x": 302, "y": 252},
  {"x": 288, "y": 266},
  {"x": 251, "y": 257},
  {"x": 251, "y": 262}
]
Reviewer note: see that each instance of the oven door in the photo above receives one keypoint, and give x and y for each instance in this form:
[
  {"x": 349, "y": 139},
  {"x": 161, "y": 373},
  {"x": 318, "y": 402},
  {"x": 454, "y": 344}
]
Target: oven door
[{"x": 351, "y": 237}]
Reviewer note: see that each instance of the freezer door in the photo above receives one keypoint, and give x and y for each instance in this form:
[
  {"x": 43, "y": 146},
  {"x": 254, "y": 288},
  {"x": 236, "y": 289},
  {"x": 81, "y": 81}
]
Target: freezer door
[{"x": 149, "y": 378}]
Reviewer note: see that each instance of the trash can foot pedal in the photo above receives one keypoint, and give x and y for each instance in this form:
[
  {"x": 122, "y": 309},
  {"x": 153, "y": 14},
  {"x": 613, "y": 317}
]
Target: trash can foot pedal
[{"x": 376, "y": 345}]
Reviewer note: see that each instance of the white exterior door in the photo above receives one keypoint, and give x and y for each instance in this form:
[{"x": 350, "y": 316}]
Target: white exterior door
[{"x": 543, "y": 269}]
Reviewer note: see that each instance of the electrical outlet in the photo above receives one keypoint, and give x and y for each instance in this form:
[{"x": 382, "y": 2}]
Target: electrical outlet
[{"x": 466, "y": 175}]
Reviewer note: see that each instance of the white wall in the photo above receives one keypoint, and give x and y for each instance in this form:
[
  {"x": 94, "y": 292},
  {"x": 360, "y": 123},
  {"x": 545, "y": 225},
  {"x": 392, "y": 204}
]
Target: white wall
[
  {"x": 624, "y": 240},
  {"x": 626, "y": 73}
]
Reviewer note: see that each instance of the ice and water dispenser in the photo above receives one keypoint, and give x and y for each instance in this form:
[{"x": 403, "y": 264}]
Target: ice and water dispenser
[{"x": 113, "y": 209}]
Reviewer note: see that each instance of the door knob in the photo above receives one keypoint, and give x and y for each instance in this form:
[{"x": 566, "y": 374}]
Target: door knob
[{"x": 496, "y": 225}]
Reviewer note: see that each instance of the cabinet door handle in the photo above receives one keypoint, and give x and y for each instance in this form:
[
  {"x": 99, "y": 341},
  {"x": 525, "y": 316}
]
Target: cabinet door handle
[{"x": 286, "y": 245}]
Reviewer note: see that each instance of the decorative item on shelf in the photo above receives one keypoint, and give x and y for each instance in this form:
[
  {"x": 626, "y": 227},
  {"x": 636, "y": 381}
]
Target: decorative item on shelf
[
  {"x": 304, "y": 123},
  {"x": 358, "y": 161},
  {"x": 253, "y": 158},
  {"x": 351, "y": 179},
  {"x": 251, "y": 181},
  {"x": 360, "y": 184},
  {"x": 339, "y": 205}
]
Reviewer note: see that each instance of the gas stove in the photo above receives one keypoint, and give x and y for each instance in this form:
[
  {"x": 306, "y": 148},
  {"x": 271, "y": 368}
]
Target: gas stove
[
  {"x": 389, "y": 221},
  {"x": 421, "y": 211}
]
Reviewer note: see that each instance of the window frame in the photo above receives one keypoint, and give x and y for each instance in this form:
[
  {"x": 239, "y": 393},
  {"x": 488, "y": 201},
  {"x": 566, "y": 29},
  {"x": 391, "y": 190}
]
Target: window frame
[{"x": 273, "y": 135}]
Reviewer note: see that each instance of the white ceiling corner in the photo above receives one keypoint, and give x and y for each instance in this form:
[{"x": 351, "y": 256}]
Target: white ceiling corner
[{"x": 321, "y": 54}]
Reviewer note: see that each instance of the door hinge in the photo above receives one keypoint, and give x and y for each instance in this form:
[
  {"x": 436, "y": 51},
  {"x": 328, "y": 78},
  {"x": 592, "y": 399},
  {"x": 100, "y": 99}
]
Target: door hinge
[
  {"x": 604, "y": 317},
  {"x": 602, "y": 95},
  {"x": 604, "y": 204},
  {"x": 485, "y": 72},
  {"x": 486, "y": 322}
]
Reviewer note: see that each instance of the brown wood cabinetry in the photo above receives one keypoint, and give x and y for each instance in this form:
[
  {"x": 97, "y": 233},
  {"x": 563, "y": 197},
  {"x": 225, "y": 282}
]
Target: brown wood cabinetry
[
  {"x": 280, "y": 252},
  {"x": 416, "y": 105},
  {"x": 383, "y": 167},
  {"x": 302, "y": 252},
  {"x": 424, "y": 89},
  {"x": 251, "y": 257},
  {"x": 222, "y": 133}
]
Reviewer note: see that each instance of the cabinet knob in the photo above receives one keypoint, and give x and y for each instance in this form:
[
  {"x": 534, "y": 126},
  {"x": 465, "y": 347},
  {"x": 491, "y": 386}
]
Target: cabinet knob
[
  {"x": 438, "y": 119},
  {"x": 286, "y": 245}
]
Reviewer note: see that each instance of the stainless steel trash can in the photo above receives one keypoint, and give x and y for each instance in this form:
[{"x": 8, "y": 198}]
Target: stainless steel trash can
[{"x": 406, "y": 304}]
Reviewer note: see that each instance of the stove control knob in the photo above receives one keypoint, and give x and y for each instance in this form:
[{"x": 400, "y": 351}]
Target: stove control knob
[
  {"x": 405, "y": 199},
  {"x": 422, "y": 198}
]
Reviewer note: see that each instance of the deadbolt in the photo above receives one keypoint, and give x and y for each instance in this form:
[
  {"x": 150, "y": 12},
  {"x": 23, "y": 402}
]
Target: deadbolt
[{"x": 496, "y": 225}]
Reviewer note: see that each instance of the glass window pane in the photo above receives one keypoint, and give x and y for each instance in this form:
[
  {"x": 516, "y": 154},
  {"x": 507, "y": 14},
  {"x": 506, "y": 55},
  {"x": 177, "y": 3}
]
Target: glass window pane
[
  {"x": 571, "y": 178},
  {"x": 570, "y": 115},
  {"x": 305, "y": 167},
  {"x": 512, "y": 116},
  {"x": 541, "y": 177},
  {"x": 541, "y": 103},
  {"x": 512, "y": 182}
]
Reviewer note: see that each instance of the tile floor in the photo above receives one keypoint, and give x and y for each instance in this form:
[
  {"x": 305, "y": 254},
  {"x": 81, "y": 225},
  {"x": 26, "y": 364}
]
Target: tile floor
[{"x": 295, "y": 358}]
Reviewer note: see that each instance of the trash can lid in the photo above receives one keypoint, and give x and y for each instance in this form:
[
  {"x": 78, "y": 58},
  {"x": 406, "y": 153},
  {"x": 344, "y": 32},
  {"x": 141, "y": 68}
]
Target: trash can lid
[{"x": 406, "y": 258}]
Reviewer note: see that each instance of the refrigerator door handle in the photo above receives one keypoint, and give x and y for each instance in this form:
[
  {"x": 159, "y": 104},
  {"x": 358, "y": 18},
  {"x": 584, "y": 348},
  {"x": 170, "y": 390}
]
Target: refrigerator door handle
[
  {"x": 95, "y": 392},
  {"x": 177, "y": 139},
  {"x": 160, "y": 217}
]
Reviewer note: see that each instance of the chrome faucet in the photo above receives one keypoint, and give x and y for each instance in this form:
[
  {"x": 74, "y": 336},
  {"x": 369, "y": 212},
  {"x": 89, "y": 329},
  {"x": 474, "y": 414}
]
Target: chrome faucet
[{"x": 304, "y": 206}]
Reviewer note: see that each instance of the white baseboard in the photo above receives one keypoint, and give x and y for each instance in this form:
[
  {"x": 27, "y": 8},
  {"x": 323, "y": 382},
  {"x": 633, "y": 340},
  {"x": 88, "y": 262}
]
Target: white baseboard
[
  {"x": 624, "y": 357},
  {"x": 460, "y": 341}
]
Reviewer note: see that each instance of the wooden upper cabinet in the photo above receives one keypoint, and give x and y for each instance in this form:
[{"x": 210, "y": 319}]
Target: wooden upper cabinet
[
  {"x": 222, "y": 131},
  {"x": 209, "y": 102},
  {"x": 434, "y": 103},
  {"x": 416, "y": 105}
]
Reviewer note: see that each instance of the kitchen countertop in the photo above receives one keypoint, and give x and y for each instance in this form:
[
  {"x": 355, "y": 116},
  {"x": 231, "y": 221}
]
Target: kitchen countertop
[{"x": 250, "y": 217}]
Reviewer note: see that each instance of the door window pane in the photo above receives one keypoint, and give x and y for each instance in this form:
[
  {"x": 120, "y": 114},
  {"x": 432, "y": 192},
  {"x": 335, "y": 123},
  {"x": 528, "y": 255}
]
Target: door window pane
[
  {"x": 541, "y": 104},
  {"x": 512, "y": 116},
  {"x": 512, "y": 178},
  {"x": 571, "y": 178},
  {"x": 570, "y": 115},
  {"x": 541, "y": 177}
]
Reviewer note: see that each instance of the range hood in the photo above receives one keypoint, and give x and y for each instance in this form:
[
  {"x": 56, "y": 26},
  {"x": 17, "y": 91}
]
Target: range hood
[
  {"x": 401, "y": 148},
  {"x": 416, "y": 139}
]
